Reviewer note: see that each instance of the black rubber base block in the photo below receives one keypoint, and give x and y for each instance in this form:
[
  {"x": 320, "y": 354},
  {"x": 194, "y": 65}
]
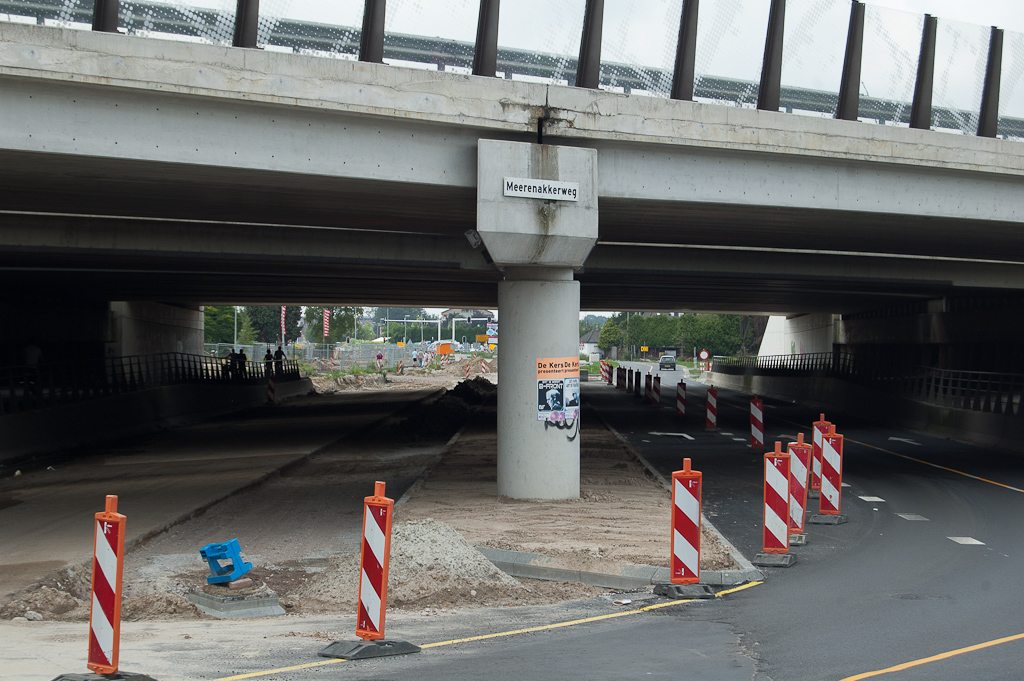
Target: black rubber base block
[
  {"x": 774, "y": 559},
  {"x": 684, "y": 591},
  {"x": 364, "y": 650}
]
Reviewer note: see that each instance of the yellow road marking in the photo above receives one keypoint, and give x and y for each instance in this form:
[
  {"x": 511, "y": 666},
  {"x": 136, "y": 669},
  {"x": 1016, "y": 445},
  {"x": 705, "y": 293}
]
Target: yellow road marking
[
  {"x": 934, "y": 658},
  {"x": 543, "y": 627}
]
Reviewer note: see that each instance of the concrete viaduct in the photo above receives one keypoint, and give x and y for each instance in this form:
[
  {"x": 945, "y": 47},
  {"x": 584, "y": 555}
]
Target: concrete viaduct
[{"x": 169, "y": 175}]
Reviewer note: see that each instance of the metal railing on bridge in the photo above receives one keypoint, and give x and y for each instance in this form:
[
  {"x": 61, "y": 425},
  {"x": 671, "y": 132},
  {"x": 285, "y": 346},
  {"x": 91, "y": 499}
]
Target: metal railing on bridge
[
  {"x": 23, "y": 388},
  {"x": 985, "y": 391}
]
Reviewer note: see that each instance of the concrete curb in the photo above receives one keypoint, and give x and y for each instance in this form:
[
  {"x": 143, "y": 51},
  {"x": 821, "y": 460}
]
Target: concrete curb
[
  {"x": 612, "y": 575},
  {"x": 747, "y": 571}
]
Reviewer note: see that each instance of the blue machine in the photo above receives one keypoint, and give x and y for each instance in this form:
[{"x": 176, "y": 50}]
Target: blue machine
[{"x": 230, "y": 551}]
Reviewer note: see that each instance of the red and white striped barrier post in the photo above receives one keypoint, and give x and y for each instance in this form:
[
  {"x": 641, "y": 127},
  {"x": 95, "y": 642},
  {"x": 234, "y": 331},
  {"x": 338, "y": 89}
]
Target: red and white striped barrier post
[
  {"x": 636, "y": 384},
  {"x": 629, "y": 380},
  {"x": 648, "y": 388},
  {"x": 799, "y": 463},
  {"x": 468, "y": 362},
  {"x": 756, "y": 423},
  {"x": 374, "y": 558},
  {"x": 711, "y": 420},
  {"x": 620, "y": 379},
  {"x": 105, "y": 611},
  {"x": 775, "y": 539},
  {"x": 271, "y": 387},
  {"x": 818, "y": 429},
  {"x": 686, "y": 493},
  {"x": 830, "y": 500},
  {"x": 656, "y": 391},
  {"x": 681, "y": 399},
  {"x": 373, "y": 564},
  {"x": 400, "y": 365}
]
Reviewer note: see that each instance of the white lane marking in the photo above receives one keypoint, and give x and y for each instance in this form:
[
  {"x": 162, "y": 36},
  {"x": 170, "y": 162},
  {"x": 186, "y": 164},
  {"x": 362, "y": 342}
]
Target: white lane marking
[
  {"x": 726, "y": 434},
  {"x": 911, "y": 516},
  {"x": 967, "y": 541},
  {"x": 647, "y": 441},
  {"x": 844, "y": 484},
  {"x": 770, "y": 406},
  {"x": 873, "y": 499},
  {"x": 740, "y": 439},
  {"x": 654, "y": 432},
  {"x": 906, "y": 440},
  {"x": 688, "y": 437}
]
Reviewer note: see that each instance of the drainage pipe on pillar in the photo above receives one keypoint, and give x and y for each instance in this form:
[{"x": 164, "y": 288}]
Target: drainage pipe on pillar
[
  {"x": 988, "y": 119},
  {"x": 371, "y": 41},
  {"x": 588, "y": 69},
  {"x": 104, "y": 15},
  {"x": 849, "y": 88},
  {"x": 247, "y": 21},
  {"x": 770, "y": 91},
  {"x": 485, "y": 55},
  {"x": 686, "y": 52},
  {"x": 921, "y": 111}
]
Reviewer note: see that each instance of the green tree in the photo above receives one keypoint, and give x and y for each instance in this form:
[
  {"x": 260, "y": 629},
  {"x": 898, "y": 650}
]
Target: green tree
[
  {"x": 716, "y": 333},
  {"x": 340, "y": 327},
  {"x": 266, "y": 321},
  {"x": 591, "y": 322},
  {"x": 610, "y": 336},
  {"x": 218, "y": 324},
  {"x": 246, "y": 332}
]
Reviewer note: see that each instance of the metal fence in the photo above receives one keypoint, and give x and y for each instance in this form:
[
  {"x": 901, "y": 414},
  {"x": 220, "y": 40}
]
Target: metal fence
[
  {"x": 984, "y": 391},
  {"x": 23, "y": 388},
  {"x": 326, "y": 356}
]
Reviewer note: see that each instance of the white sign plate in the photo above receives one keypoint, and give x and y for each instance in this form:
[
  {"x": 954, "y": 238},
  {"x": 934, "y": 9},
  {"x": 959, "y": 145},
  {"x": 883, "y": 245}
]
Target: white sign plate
[{"x": 541, "y": 189}]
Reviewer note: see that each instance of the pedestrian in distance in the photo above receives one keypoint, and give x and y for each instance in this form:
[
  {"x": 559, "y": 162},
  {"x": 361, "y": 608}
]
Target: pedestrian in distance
[
  {"x": 279, "y": 361},
  {"x": 231, "y": 367},
  {"x": 268, "y": 363},
  {"x": 242, "y": 359}
]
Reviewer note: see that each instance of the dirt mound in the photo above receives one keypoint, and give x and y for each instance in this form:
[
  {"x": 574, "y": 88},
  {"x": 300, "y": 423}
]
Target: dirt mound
[
  {"x": 474, "y": 391},
  {"x": 49, "y": 602},
  {"x": 431, "y": 563},
  {"x": 162, "y": 606},
  {"x": 327, "y": 385},
  {"x": 477, "y": 366}
]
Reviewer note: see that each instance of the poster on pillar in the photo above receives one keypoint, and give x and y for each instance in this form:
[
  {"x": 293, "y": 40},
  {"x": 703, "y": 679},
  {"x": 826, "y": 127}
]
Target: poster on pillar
[{"x": 558, "y": 388}]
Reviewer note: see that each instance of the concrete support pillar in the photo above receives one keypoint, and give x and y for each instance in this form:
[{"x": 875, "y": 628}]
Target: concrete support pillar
[
  {"x": 537, "y": 218},
  {"x": 539, "y": 315}
]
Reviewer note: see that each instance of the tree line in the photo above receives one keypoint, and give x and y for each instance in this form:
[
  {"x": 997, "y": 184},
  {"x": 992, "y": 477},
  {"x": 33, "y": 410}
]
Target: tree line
[{"x": 719, "y": 334}]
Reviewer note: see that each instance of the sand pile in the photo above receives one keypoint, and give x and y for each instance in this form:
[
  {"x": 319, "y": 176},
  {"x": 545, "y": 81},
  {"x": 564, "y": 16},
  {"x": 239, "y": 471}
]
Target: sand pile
[
  {"x": 476, "y": 367},
  {"x": 431, "y": 564}
]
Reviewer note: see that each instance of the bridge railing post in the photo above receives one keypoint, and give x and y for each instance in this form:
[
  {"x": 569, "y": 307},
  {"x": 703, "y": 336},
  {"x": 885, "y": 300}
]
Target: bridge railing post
[
  {"x": 988, "y": 118},
  {"x": 849, "y": 88},
  {"x": 371, "y": 41},
  {"x": 921, "y": 110},
  {"x": 104, "y": 15}
]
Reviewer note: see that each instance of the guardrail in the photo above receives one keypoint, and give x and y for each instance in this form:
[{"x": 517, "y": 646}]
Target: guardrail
[
  {"x": 990, "y": 392},
  {"x": 23, "y": 388}
]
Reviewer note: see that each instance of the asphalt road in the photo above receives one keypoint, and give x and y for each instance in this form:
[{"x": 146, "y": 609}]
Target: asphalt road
[{"x": 881, "y": 590}]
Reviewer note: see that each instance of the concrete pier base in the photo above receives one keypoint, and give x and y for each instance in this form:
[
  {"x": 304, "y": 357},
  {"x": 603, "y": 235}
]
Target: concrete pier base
[{"x": 539, "y": 312}]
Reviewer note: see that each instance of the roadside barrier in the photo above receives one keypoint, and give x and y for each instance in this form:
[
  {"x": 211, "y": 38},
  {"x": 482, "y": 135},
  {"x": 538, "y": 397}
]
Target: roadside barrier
[
  {"x": 756, "y": 423},
  {"x": 400, "y": 366},
  {"x": 656, "y": 391},
  {"x": 830, "y": 500},
  {"x": 776, "y": 501},
  {"x": 483, "y": 367},
  {"x": 636, "y": 384},
  {"x": 620, "y": 378},
  {"x": 686, "y": 499},
  {"x": 711, "y": 420},
  {"x": 468, "y": 361},
  {"x": 629, "y": 380},
  {"x": 799, "y": 460},
  {"x": 107, "y": 568},
  {"x": 271, "y": 385},
  {"x": 817, "y": 431},
  {"x": 681, "y": 399},
  {"x": 648, "y": 388},
  {"x": 378, "y": 513}
]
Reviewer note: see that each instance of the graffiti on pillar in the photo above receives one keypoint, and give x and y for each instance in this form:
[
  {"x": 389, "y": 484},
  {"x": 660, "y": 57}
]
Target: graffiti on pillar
[
  {"x": 558, "y": 389},
  {"x": 572, "y": 425}
]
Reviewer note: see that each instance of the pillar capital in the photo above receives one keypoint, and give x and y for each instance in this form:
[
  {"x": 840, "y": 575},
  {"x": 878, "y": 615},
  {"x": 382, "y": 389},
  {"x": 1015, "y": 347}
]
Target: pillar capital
[{"x": 536, "y": 203}]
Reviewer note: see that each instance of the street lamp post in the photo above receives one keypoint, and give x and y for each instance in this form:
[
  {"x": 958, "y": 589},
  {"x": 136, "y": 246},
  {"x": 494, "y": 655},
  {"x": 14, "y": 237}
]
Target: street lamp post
[{"x": 405, "y": 329}]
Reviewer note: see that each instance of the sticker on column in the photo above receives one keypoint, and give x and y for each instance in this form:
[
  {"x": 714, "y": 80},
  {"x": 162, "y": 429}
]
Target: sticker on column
[{"x": 558, "y": 388}]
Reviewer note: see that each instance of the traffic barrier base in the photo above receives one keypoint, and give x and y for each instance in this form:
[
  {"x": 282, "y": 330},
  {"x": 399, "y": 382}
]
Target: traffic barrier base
[
  {"x": 684, "y": 591},
  {"x": 116, "y": 676},
  {"x": 798, "y": 539},
  {"x": 363, "y": 650},
  {"x": 819, "y": 519}
]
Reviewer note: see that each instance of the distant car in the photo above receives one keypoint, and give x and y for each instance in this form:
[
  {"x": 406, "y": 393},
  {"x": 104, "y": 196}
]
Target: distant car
[{"x": 667, "y": 362}]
